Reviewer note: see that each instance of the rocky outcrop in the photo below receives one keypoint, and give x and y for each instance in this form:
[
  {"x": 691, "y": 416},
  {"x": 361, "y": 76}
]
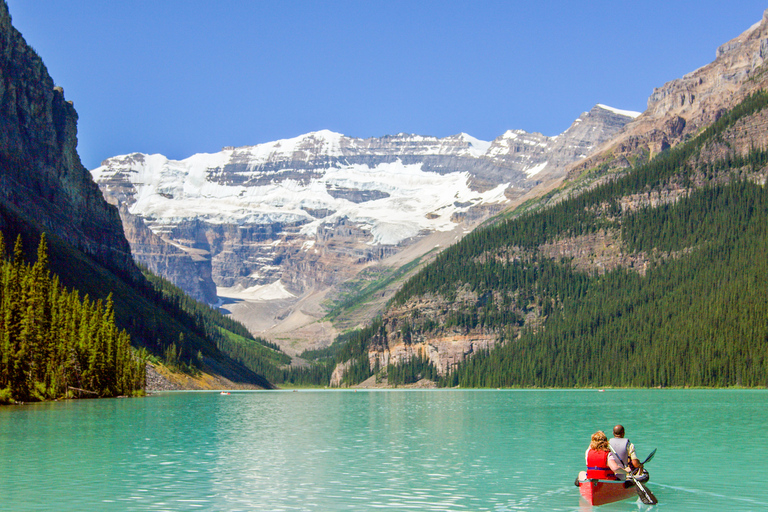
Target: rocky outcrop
[
  {"x": 680, "y": 108},
  {"x": 41, "y": 177},
  {"x": 338, "y": 373},
  {"x": 189, "y": 269},
  {"x": 416, "y": 329},
  {"x": 443, "y": 351},
  {"x": 599, "y": 252}
]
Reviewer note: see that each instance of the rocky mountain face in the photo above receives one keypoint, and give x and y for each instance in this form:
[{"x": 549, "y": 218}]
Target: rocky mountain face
[
  {"x": 41, "y": 177},
  {"x": 44, "y": 188},
  {"x": 678, "y": 109},
  {"x": 282, "y": 221},
  {"x": 676, "y": 112}
]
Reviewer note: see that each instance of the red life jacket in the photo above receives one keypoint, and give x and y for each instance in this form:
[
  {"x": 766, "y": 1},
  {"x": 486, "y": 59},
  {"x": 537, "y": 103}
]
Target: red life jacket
[{"x": 597, "y": 465}]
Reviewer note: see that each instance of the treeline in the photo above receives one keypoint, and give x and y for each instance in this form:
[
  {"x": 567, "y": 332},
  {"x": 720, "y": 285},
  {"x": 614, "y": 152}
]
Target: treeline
[
  {"x": 350, "y": 348},
  {"x": 315, "y": 374},
  {"x": 201, "y": 314},
  {"x": 231, "y": 337},
  {"x": 411, "y": 371},
  {"x": 52, "y": 340},
  {"x": 273, "y": 365},
  {"x": 697, "y": 317},
  {"x": 709, "y": 215}
]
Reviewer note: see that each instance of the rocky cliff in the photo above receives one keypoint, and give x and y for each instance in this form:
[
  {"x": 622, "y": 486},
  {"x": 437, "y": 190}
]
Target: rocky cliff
[
  {"x": 282, "y": 221},
  {"x": 41, "y": 177},
  {"x": 680, "y": 108},
  {"x": 45, "y": 188}
]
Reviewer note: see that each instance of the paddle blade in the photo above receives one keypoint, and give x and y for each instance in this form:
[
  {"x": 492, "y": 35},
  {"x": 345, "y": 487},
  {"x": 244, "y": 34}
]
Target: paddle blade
[
  {"x": 645, "y": 494},
  {"x": 650, "y": 456}
]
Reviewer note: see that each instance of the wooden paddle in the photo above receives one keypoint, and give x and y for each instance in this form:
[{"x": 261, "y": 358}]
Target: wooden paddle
[{"x": 645, "y": 494}]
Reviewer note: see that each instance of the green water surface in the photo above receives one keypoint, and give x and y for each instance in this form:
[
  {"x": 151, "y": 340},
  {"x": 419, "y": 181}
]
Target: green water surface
[{"x": 437, "y": 450}]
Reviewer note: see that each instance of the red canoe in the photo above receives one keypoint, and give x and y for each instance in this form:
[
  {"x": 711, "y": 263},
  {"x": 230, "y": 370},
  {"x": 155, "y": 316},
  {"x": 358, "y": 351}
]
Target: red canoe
[{"x": 600, "y": 492}]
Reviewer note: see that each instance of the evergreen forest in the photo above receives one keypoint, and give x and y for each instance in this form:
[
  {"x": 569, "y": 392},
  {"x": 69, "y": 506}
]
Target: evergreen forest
[
  {"x": 56, "y": 344},
  {"x": 687, "y": 307},
  {"x": 231, "y": 338}
]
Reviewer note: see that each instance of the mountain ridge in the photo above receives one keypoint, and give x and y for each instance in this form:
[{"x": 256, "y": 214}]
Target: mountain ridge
[
  {"x": 310, "y": 212},
  {"x": 678, "y": 109},
  {"x": 626, "y": 233}
]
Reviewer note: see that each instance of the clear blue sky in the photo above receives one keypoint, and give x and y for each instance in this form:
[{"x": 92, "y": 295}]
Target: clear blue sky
[{"x": 179, "y": 77}]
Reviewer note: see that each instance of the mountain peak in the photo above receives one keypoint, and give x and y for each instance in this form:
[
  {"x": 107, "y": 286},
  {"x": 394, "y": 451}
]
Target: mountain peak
[
  {"x": 327, "y": 135},
  {"x": 477, "y": 147},
  {"x": 627, "y": 113},
  {"x": 681, "y": 107}
]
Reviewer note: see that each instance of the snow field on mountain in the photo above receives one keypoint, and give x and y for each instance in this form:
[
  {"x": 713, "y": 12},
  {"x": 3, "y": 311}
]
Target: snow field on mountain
[
  {"x": 536, "y": 169},
  {"x": 266, "y": 292},
  {"x": 287, "y": 149},
  {"x": 169, "y": 192},
  {"x": 628, "y": 113}
]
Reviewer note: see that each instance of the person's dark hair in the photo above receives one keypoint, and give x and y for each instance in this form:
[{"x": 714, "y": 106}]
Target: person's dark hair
[{"x": 618, "y": 431}]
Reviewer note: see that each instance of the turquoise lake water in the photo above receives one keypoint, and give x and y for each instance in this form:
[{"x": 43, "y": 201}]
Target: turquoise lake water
[{"x": 437, "y": 450}]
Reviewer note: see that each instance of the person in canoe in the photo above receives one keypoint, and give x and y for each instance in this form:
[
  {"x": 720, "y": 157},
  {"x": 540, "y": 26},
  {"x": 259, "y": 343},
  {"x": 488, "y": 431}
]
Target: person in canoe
[
  {"x": 606, "y": 480},
  {"x": 624, "y": 451},
  {"x": 600, "y": 465}
]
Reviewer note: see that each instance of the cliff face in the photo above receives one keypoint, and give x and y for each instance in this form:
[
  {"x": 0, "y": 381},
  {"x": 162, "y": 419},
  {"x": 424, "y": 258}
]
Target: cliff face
[
  {"x": 41, "y": 177},
  {"x": 45, "y": 188},
  {"x": 187, "y": 269},
  {"x": 285, "y": 220},
  {"x": 680, "y": 108}
]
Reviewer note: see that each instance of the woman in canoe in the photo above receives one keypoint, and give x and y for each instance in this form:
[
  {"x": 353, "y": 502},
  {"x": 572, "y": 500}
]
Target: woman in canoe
[
  {"x": 605, "y": 481},
  {"x": 599, "y": 464}
]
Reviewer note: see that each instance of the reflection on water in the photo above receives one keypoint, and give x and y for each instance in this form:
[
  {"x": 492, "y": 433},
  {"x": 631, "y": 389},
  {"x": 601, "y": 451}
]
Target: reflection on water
[{"x": 372, "y": 450}]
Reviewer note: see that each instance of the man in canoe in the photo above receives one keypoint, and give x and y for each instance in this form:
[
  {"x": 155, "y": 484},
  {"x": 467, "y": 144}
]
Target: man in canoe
[
  {"x": 624, "y": 451},
  {"x": 604, "y": 480}
]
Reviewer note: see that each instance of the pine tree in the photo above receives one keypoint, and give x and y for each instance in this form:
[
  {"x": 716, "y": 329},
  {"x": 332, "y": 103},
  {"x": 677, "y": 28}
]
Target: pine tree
[{"x": 51, "y": 340}]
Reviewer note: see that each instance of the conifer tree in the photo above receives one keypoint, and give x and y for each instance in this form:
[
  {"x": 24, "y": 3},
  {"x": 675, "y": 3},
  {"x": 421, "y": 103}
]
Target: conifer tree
[{"x": 50, "y": 340}]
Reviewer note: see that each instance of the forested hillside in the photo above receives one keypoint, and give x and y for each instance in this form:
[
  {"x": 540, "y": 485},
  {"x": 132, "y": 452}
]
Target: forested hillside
[
  {"x": 683, "y": 303},
  {"x": 55, "y": 344},
  {"x": 46, "y": 189},
  {"x": 232, "y": 338}
]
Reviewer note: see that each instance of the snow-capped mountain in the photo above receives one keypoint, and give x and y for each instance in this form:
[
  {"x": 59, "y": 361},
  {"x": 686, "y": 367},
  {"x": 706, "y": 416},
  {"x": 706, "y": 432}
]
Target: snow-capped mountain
[
  {"x": 302, "y": 214},
  {"x": 310, "y": 185}
]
